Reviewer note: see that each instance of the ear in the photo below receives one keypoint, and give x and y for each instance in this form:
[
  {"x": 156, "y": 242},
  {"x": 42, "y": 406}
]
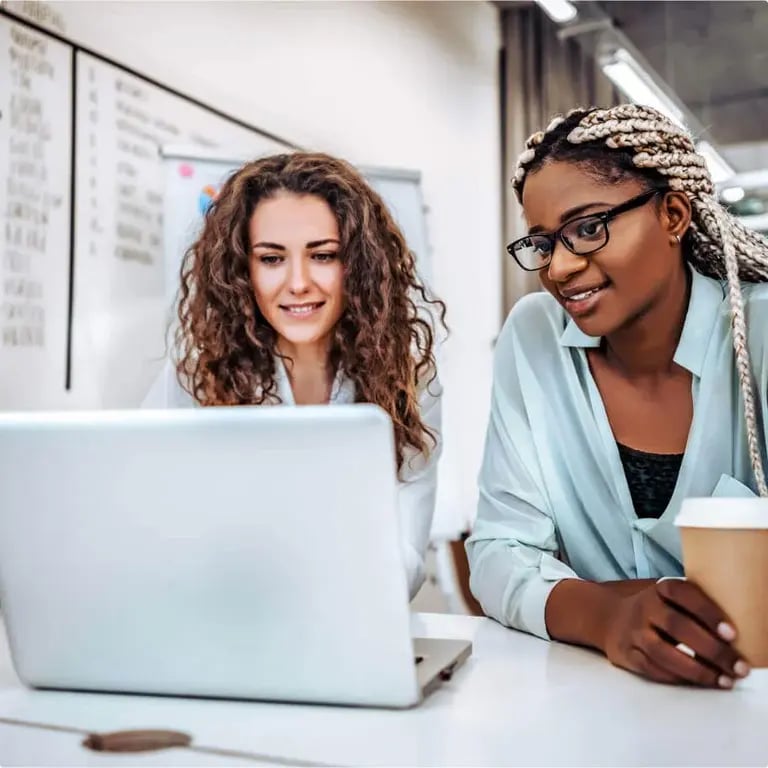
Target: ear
[{"x": 675, "y": 212}]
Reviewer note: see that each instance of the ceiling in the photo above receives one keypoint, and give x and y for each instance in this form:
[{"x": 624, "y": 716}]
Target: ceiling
[{"x": 714, "y": 56}]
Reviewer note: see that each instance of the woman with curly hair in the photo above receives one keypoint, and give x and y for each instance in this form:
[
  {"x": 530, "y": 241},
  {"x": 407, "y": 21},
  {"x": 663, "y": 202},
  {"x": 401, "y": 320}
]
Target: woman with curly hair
[
  {"x": 637, "y": 378},
  {"x": 301, "y": 290}
]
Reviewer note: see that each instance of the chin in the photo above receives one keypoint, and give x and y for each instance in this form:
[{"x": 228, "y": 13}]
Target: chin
[
  {"x": 595, "y": 325},
  {"x": 304, "y": 335}
]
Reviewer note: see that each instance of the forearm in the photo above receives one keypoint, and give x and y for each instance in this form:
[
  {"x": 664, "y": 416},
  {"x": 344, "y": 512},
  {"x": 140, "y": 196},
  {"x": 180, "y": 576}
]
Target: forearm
[
  {"x": 578, "y": 612},
  {"x": 628, "y": 587}
]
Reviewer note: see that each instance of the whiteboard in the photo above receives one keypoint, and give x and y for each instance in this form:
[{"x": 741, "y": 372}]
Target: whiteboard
[
  {"x": 35, "y": 164},
  {"x": 194, "y": 176},
  {"x": 401, "y": 190},
  {"x": 86, "y": 271},
  {"x": 121, "y": 310}
]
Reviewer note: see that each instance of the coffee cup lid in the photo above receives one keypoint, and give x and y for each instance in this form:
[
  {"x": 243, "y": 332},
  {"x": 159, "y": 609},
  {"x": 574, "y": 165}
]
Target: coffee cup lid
[{"x": 717, "y": 512}]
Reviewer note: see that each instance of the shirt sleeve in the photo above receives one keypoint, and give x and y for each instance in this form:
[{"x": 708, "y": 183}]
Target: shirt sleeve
[
  {"x": 513, "y": 550},
  {"x": 417, "y": 491}
]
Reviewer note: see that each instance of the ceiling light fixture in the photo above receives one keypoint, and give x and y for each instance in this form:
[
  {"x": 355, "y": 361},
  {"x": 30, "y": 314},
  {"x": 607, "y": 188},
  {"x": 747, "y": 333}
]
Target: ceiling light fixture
[
  {"x": 560, "y": 11},
  {"x": 638, "y": 86},
  {"x": 732, "y": 194}
]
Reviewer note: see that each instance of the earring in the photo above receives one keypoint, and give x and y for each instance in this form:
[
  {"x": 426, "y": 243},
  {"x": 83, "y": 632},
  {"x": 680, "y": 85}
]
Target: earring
[{"x": 677, "y": 237}]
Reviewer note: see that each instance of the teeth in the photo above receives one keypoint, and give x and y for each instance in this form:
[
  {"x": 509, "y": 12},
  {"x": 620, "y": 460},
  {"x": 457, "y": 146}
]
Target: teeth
[
  {"x": 302, "y": 310},
  {"x": 582, "y": 296}
]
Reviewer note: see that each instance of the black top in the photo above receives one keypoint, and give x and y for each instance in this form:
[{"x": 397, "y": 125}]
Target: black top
[{"x": 651, "y": 478}]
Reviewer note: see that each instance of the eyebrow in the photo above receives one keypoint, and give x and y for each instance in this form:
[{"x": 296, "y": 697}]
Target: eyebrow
[
  {"x": 570, "y": 214},
  {"x": 278, "y": 247}
]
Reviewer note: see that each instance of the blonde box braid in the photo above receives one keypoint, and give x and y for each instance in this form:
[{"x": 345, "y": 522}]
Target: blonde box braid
[{"x": 717, "y": 244}]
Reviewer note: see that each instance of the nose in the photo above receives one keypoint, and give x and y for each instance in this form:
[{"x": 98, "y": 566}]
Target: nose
[
  {"x": 298, "y": 275},
  {"x": 564, "y": 264}
]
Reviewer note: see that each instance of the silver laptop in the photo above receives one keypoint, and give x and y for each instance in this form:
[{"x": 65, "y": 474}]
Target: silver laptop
[{"x": 227, "y": 552}]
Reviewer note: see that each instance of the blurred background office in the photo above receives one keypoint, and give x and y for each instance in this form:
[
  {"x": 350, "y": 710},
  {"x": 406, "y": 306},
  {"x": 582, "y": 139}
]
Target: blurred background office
[{"x": 435, "y": 99}]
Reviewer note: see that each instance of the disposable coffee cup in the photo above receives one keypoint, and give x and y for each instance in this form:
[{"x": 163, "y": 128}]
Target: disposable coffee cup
[{"x": 725, "y": 552}]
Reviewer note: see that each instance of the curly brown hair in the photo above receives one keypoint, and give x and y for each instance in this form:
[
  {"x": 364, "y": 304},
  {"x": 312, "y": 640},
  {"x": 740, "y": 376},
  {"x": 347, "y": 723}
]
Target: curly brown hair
[{"x": 384, "y": 341}]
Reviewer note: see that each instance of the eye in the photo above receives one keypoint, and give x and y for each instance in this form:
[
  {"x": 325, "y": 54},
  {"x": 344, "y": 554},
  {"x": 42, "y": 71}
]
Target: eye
[
  {"x": 542, "y": 246},
  {"x": 589, "y": 229},
  {"x": 270, "y": 259},
  {"x": 324, "y": 256}
]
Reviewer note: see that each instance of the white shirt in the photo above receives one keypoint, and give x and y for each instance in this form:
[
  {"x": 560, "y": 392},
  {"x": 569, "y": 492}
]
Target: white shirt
[{"x": 418, "y": 482}]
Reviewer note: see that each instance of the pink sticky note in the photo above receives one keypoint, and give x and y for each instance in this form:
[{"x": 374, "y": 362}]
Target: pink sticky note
[{"x": 186, "y": 171}]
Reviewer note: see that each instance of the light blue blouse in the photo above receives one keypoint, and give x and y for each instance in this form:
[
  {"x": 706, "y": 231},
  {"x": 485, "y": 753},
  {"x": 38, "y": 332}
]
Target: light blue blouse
[{"x": 554, "y": 501}]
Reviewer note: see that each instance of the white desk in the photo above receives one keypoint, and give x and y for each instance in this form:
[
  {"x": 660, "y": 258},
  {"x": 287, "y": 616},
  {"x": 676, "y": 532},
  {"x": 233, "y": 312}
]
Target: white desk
[{"x": 518, "y": 700}]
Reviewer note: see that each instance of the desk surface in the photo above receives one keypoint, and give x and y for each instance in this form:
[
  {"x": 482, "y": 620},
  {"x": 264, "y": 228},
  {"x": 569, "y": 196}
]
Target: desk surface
[{"x": 518, "y": 700}]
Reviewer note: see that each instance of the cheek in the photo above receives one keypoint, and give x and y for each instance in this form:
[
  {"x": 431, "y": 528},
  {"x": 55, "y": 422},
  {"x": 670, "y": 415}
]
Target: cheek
[
  {"x": 331, "y": 281},
  {"x": 638, "y": 248},
  {"x": 637, "y": 261},
  {"x": 547, "y": 284},
  {"x": 266, "y": 285},
  {"x": 265, "y": 282}
]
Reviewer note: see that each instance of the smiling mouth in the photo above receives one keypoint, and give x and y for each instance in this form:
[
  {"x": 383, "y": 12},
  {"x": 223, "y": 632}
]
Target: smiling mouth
[
  {"x": 585, "y": 301},
  {"x": 583, "y": 295},
  {"x": 299, "y": 310}
]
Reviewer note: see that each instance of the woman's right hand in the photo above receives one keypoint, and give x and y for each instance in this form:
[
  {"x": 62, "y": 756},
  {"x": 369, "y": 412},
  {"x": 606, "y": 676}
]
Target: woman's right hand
[{"x": 653, "y": 632}]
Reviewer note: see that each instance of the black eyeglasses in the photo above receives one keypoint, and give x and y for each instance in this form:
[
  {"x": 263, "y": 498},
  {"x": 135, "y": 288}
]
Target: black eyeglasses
[{"x": 581, "y": 236}]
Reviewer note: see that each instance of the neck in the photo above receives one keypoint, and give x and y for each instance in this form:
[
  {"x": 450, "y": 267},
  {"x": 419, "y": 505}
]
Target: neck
[
  {"x": 309, "y": 371},
  {"x": 305, "y": 357},
  {"x": 646, "y": 346}
]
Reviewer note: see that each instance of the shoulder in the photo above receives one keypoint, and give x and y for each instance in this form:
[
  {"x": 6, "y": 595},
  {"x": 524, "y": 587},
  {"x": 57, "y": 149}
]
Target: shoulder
[
  {"x": 756, "y": 298},
  {"x": 756, "y": 304},
  {"x": 536, "y": 318},
  {"x": 754, "y": 295},
  {"x": 167, "y": 392},
  {"x": 429, "y": 390},
  {"x": 430, "y": 394},
  {"x": 532, "y": 330}
]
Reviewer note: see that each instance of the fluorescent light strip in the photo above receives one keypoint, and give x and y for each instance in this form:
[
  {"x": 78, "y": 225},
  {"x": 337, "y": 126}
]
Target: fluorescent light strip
[
  {"x": 560, "y": 11},
  {"x": 635, "y": 83}
]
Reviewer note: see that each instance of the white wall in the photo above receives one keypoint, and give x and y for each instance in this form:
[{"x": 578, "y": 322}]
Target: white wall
[{"x": 410, "y": 85}]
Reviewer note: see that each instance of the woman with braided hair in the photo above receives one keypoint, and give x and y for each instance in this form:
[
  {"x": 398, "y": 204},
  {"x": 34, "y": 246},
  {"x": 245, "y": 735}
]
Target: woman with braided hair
[
  {"x": 638, "y": 378},
  {"x": 301, "y": 290}
]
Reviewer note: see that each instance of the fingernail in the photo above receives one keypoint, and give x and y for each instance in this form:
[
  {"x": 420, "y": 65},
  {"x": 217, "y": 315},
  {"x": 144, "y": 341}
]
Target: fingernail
[
  {"x": 741, "y": 668},
  {"x": 725, "y": 682},
  {"x": 726, "y": 631}
]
